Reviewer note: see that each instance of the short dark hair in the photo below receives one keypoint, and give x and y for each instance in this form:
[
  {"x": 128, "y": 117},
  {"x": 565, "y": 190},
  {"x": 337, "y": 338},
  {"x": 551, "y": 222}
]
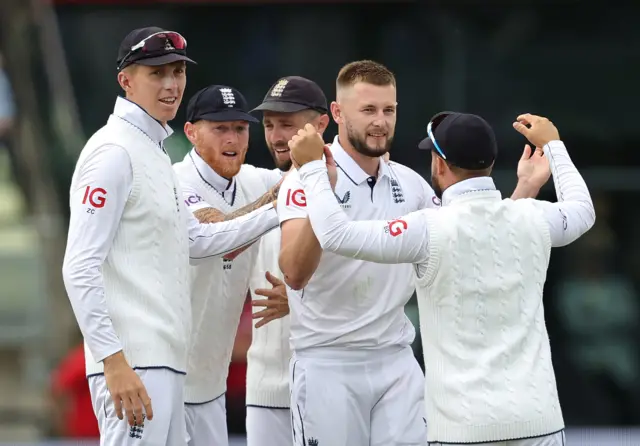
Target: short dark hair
[{"x": 366, "y": 71}]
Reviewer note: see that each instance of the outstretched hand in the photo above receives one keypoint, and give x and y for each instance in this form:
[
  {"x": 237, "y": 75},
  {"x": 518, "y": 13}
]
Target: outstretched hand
[{"x": 276, "y": 304}]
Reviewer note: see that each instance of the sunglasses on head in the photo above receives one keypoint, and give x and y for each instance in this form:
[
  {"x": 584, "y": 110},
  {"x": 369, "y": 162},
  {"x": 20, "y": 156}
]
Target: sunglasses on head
[
  {"x": 159, "y": 42},
  {"x": 433, "y": 140}
]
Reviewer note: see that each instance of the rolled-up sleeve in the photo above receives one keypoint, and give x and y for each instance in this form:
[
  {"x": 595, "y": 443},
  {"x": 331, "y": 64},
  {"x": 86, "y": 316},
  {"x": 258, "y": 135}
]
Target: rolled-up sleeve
[
  {"x": 208, "y": 240},
  {"x": 97, "y": 201},
  {"x": 573, "y": 214}
]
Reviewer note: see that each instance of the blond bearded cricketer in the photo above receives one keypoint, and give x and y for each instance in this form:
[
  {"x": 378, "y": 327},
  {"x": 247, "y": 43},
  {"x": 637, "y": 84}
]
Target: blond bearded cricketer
[{"x": 354, "y": 379}]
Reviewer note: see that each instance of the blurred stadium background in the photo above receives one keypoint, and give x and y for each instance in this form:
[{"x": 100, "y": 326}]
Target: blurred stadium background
[{"x": 576, "y": 62}]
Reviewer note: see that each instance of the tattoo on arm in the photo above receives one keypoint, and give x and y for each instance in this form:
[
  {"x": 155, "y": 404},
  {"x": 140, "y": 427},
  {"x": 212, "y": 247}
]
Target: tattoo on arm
[{"x": 211, "y": 215}]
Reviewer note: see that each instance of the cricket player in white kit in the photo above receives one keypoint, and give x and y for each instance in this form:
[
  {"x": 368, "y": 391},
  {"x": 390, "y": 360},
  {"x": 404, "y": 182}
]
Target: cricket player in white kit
[
  {"x": 480, "y": 264},
  {"x": 216, "y": 186},
  {"x": 289, "y": 104},
  {"x": 129, "y": 246},
  {"x": 354, "y": 379}
]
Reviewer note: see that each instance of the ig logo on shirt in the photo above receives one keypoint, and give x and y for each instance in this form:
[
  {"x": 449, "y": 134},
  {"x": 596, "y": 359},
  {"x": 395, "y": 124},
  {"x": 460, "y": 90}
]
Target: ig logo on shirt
[
  {"x": 396, "y": 227},
  {"x": 96, "y": 197}
]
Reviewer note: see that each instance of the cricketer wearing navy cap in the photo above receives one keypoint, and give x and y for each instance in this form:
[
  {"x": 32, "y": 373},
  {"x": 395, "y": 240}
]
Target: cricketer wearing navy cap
[
  {"x": 290, "y": 103},
  {"x": 216, "y": 186},
  {"x": 461, "y": 142}
]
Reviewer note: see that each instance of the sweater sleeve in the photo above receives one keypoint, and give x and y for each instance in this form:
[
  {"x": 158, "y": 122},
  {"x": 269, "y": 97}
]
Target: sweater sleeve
[
  {"x": 97, "y": 202},
  {"x": 573, "y": 215}
]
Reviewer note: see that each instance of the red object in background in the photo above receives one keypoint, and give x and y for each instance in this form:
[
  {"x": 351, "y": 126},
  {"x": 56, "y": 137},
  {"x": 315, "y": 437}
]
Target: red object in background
[
  {"x": 237, "y": 379},
  {"x": 69, "y": 383}
]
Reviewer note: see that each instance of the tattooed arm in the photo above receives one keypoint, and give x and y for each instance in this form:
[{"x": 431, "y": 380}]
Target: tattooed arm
[{"x": 212, "y": 215}]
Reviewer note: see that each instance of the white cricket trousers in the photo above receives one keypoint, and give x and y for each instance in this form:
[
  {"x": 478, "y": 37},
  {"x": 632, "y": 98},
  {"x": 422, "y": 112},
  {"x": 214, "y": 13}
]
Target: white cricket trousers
[
  {"x": 556, "y": 439},
  {"x": 357, "y": 398},
  {"x": 165, "y": 388},
  {"x": 207, "y": 423},
  {"x": 268, "y": 426}
]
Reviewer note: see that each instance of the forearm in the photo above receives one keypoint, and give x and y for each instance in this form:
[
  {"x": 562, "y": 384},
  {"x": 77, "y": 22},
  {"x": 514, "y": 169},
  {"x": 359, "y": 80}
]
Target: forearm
[
  {"x": 300, "y": 256},
  {"x": 525, "y": 190},
  {"x": 574, "y": 207},
  {"x": 212, "y": 215}
]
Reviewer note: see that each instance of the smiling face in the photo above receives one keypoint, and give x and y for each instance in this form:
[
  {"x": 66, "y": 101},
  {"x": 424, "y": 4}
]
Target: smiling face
[
  {"x": 158, "y": 90},
  {"x": 367, "y": 114},
  {"x": 222, "y": 145},
  {"x": 280, "y": 127}
]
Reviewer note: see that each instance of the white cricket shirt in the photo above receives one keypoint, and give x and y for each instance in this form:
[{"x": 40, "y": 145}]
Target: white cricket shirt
[
  {"x": 218, "y": 287},
  {"x": 351, "y": 303},
  {"x": 105, "y": 202},
  {"x": 481, "y": 264}
]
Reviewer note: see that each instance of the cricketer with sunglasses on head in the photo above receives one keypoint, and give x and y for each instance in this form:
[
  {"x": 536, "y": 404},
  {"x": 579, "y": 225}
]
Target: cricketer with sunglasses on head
[{"x": 130, "y": 242}]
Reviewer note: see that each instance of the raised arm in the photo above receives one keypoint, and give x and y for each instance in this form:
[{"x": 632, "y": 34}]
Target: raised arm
[
  {"x": 403, "y": 240},
  {"x": 573, "y": 215},
  {"x": 300, "y": 251},
  {"x": 97, "y": 202}
]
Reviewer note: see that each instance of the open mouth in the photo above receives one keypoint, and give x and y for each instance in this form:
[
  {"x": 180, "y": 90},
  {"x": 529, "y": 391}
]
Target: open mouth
[
  {"x": 169, "y": 101},
  {"x": 230, "y": 154},
  {"x": 377, "y": 135}
]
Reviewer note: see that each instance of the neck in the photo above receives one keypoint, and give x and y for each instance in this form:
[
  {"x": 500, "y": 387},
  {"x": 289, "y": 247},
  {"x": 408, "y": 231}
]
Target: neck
[
  {"x": 163, "y": 123},
  {"x": 368, "y": 164}
]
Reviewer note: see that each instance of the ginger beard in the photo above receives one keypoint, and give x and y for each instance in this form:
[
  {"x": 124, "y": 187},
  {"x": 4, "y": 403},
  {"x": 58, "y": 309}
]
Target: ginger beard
[{"x": 223, "y": 145}]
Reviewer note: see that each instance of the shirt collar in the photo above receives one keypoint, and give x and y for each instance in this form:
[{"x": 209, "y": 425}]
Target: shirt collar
[
  {"x": 351, "y": 168},
  {"x": 138, "y": 117},
  {"x": 466, "y": 186},
  {"x": 218, "y": 182}
]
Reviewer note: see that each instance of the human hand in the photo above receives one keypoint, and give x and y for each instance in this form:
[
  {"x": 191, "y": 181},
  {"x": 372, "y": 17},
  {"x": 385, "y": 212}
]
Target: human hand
[
  {"x": 127, "y": 390},
  {"x": 276, "y": 303}
]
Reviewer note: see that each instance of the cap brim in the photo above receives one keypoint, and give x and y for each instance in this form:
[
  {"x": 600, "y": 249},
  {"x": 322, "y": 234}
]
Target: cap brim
[
  {"x": 426, "y": 144},
  {"x": 281, "y": 107},
  {"x": 163, "y": 60},
  {"x": 228, "y": 115}
]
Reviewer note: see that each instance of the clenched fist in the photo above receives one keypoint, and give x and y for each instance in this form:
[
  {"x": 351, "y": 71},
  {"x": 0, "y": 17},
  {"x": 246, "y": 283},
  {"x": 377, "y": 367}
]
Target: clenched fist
[
  {"x": 538, "y": 130},
  {"x": 306, "y": 146}
]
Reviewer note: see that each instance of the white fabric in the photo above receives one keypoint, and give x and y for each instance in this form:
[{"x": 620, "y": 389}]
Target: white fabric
[
  {"x": 350, "y": 303},
  {"x": 354, "y": 399},
  {"x": 269, "y": 354},
  {"x": 206, "y": 423},
  {"x": 557, "y": 439},
  {"x": 268, "y": 426},
  {"x": 168, "y": 425},
  {"x": 123, "y": 185},
  {"x": 218, "y": 287},
  {"x": 484, "y": 261}
]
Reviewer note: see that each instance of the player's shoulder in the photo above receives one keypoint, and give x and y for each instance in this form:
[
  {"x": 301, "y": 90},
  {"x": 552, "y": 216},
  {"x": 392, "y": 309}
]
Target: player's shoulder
[{"x": 183, "y": 167}]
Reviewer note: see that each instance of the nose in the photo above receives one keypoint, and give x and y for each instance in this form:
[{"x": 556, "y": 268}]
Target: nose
[{"x": 170, "y": 82}]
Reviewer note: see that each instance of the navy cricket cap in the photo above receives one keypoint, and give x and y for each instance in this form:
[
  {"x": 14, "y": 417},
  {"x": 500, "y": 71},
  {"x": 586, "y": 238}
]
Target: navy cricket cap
[
  {"x": 292, "y": 94},
  {"x": 218, "y": 103},
  {"x": 152, "y": 46},
  {"x": 465, "y": 141}
]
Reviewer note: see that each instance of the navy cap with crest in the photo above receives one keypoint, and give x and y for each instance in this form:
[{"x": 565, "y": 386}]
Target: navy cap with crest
[
  {"x": 218, "y": 103},
  {"x": 292, "y": 94},
  {"x": 463, "y": 140},
  {"x": 152, "y": 46}
]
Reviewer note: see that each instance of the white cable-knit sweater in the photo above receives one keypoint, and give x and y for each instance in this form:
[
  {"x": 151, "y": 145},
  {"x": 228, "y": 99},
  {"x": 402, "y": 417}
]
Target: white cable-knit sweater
[
  {"x": 489, "y": 375},
  {"x": 146, "y": 271},
  {"x": 269, "y": 354},
  {"x": 218, "y": 289}
]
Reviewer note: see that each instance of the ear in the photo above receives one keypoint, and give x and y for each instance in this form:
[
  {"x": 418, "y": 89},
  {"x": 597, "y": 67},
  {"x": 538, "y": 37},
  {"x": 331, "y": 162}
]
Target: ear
[
  {"x": 323, "y": 122},
  {"x": 336, "y": 112},
  {"x": 190, "y": 132},
  {"x": 124, "y": 80},
  {"x": 439, "y": 164}
]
